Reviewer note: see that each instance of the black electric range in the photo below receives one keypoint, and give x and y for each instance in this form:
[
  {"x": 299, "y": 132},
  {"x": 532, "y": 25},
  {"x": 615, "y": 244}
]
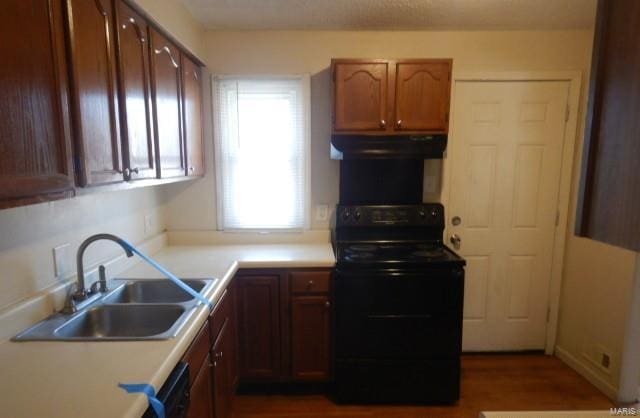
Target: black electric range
[{"x": 398, "y": 294}]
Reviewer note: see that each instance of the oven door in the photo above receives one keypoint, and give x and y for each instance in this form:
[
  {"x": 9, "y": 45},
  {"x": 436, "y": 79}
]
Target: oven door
[{"x": 398, "y": 314}]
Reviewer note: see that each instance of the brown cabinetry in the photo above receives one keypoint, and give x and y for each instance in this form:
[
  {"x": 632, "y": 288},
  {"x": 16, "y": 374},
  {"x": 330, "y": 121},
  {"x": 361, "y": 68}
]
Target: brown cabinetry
[
  {"x": 361, "y": 90},
  {"x": 135, "y": 94},
  {"x": 200, "y": 400},
  {"x": 94, "y": 91},
  {"x": 192, "y": 116},
  {"x": 608, "y": 206},
  {"x": 165, "y": 82},
  {"x": 284, "y": 323},
  {"x": 259, "y": 326},
  {"x": 422, "y": 95},
  {"x": 386, "y": 97},
  {"x": 310, "y": 324},
  {"x": 78, "y": 100},
  {"x": 35, "y": 141}
]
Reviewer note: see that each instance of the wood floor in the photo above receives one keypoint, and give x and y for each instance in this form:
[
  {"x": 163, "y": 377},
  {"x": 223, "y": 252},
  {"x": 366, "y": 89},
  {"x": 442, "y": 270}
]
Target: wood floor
[{"x": 489, "y": 383}]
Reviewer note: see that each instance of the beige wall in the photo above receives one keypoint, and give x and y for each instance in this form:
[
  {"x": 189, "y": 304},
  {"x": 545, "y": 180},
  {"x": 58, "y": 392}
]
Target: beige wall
[
  {"x": 310, "y": 52},
  {"x": 597, "y": 277},
  {"x": 173, "y": 16}
]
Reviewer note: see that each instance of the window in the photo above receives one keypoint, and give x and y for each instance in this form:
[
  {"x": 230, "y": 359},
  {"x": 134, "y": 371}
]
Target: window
[{"x": 262, "y": 152}]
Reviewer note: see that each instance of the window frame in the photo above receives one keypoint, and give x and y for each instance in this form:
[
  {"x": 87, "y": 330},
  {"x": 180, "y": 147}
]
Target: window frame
[{"x": 305, "y": 80}]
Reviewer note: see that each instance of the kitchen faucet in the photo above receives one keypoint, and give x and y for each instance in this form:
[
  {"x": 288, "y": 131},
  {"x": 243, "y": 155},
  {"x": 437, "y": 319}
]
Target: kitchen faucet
[{"x": 81, "y": 293}]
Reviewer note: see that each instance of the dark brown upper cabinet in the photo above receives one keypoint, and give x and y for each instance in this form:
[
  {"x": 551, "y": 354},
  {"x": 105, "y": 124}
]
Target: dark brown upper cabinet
[
  {"x": 422, "y": 95},
  {"x": 609, "y": 200},
  {"x": 35, "y": 141},
  {"x": 391, "y": 97},
  {"x": 94, "y": 91},
  {"x": 361, "y": 94},
  {"x": 192, "y": 106},
  {"x": 167, "y": 98},
  {"x": 135, "y": 94}
]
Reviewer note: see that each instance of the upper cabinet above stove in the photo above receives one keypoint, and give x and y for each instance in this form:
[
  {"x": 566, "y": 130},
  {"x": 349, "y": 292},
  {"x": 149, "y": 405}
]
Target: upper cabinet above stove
[{"x": 391, "y": 97}]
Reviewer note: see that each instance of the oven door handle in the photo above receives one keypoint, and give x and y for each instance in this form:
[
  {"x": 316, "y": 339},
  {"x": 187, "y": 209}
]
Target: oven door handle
[{"x": 396, "y": 316}]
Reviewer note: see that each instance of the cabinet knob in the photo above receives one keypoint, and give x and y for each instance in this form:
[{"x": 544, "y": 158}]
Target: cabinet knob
[
  {"x": 383, "y": 123},
  {"x": 327, "y": 304},
  {"x": 136, "y": 170},
  {"x": 310, "y": 283},
  {"x": 399, "y": 123},
  {"x": 191, "y": 169}
]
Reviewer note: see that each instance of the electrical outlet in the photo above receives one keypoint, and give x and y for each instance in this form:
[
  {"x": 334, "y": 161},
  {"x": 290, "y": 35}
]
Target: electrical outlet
[
  {"x": 600, "y": 357},
  {"x": 322, "y": 213},
  {"x": 61, "y": 260}
]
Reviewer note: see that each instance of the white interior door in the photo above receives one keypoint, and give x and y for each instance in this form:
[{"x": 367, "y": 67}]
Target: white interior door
[{"x": 506, "y": 156}]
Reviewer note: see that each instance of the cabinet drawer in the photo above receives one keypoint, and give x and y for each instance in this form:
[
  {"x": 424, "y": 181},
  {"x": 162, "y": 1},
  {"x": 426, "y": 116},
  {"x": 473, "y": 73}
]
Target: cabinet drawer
[
  {"x": 220, "y": 314},
  {"x": 197, "y": 352},
  {"x": 310, "y": 281}
]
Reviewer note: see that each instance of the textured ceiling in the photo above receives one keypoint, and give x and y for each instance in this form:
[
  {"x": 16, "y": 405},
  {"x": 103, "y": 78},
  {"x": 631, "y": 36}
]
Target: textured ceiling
[{"x": 393, "y": 14}]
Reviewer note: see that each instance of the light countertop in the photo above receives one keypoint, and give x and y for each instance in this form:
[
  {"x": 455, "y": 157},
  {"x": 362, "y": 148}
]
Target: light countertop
[{"x": 79, "y": 379}]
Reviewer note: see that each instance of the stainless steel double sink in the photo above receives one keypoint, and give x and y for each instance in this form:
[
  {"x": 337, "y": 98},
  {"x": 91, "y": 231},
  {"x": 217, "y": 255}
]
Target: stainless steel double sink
[{"x": 135, "y": 309}]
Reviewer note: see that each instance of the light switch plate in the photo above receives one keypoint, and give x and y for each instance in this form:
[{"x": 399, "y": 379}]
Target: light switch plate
[
  {"x": 322, "y": 213},
  {"x": 61, "y": 260}
]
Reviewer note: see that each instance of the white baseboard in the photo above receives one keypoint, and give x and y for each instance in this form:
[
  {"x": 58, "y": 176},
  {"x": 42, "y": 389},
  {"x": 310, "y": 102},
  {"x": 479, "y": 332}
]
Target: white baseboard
[{"x": 587, "y": 372}]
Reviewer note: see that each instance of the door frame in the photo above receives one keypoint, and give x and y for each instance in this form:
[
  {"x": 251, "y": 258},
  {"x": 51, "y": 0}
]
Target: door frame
[{"x": 574, "y": 78}]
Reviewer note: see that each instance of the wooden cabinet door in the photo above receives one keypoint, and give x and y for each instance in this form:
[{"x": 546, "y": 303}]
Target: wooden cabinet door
[
  {"x": 258, "y": 327},
  {"x": 94, "y": 91},
  {"x": 192, "y": 106},
  {"x": 310, "y": 321},
  {"x": 608, "y": 207},
  {"x": 360, "y": 96},
  {"x": 232, "y": 340},
  {"x": 200, "y": 400},
  {"x": 135, "y": 94},
  {"x": 222, "y": 390},
  {"x": 35, "y": 156},
  {"x": 422, "y": 96},
  {"x": 165, "y": 89}
]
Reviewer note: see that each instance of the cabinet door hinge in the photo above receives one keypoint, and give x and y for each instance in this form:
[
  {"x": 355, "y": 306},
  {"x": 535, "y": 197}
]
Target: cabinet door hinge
[
  {"x": 567, "y": 113},
  {"x": 557, "y": 217}
]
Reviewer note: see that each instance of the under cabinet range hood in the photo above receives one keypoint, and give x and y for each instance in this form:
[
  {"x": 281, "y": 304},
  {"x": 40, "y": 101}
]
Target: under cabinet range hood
[{"x": 392, "y": 146}]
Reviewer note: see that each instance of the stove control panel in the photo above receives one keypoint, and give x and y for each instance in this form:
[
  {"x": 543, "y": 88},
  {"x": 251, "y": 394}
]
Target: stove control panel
[{"x": 428, "y": 214}]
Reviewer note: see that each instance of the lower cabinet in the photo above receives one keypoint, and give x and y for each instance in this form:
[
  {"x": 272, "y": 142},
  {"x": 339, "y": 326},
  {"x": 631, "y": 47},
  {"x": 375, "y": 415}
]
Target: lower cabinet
[
  {"x": 259, "y": 326},
  {"x": 284, "y": 319},
  {"x": 201, "y": 403},
  {"x": 310, "y": 321},
  {"x": 268, "y": 326}
]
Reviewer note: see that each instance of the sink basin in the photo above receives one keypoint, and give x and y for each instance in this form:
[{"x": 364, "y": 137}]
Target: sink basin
[
  {"x": 136, "y": 309},
  {"x": 121, "y": 322},
  {"x": 154, "y": 291}
]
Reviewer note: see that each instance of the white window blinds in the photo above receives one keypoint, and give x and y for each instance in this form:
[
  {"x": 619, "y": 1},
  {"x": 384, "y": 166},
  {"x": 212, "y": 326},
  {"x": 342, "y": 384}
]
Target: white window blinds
[{"x": 262, "y": 152}]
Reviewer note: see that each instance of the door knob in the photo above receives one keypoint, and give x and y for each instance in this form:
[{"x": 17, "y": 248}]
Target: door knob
[{"x": 455, "y": 240}]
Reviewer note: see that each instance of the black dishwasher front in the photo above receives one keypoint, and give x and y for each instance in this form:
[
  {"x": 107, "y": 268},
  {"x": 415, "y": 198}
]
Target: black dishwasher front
[{"x": 174, "y": 394}]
